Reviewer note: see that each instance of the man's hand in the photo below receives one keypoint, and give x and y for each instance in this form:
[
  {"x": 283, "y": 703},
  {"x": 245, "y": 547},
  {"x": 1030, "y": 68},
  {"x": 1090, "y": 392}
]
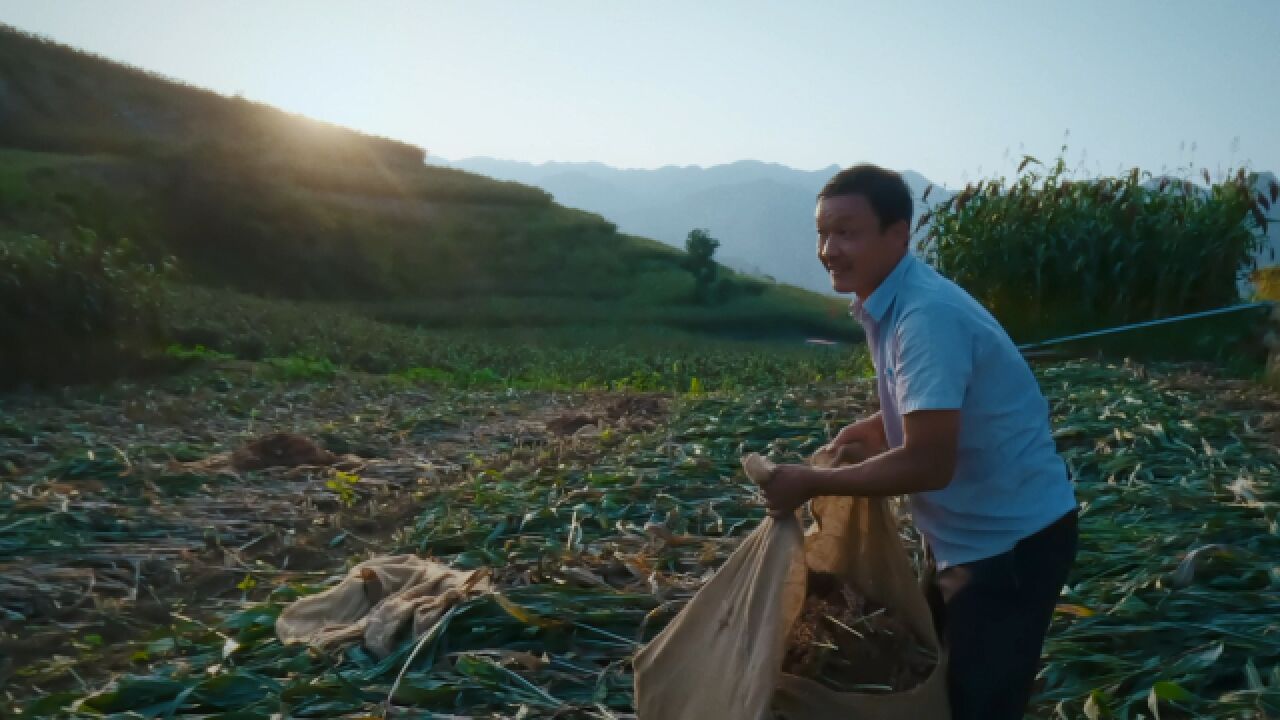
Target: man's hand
[
  {"x": 788, "y": 488},
  {"x": 848, "y": 454},
  {"x": 924, "y": 463},
  {"x": 859, "y": 441}
]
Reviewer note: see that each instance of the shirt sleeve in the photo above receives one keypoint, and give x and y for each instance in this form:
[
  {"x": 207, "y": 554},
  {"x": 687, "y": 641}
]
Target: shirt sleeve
[{"x": 933, "y": 359}]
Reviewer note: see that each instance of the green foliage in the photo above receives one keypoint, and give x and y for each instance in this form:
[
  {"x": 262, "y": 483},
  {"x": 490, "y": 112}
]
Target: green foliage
[
  {"x": 643, "y": 349},
  {"x": 73, "y": 300},
  {"x": 1232, "y": 342},
  {"x": 343, "y": 485},
  {"x": 1048, "y": 255},
  {"x": 78, "y": 285},
  {"x": 48, "y": 194},
  {"x": 65, "y": 100},
  {"x": 427, "y": 376},
  {"x": 251, "y": 224},
  {"x": 302, "y": 368},
  {"x": 253, "y": 199},
  {"x": 701, "y": 248},
  {"x": 250, "y": 197},
  {"x": 526, "y": 270},
  {"x": 466, "y": 378},
  {"x": 240, "y": 222},
  {"x": 199, "y": 352}
]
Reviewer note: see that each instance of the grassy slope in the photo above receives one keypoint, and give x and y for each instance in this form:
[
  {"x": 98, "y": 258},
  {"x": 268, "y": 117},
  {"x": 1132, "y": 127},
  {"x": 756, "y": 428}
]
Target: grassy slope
[{"x": 255, "y": 200}]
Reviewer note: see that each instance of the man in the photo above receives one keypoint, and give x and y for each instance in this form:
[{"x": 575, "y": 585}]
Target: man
[{"x": 962, "y": 431}]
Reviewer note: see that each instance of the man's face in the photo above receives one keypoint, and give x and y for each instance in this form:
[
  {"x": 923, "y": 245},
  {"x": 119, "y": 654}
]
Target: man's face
[{"x": 851, "y": 246}]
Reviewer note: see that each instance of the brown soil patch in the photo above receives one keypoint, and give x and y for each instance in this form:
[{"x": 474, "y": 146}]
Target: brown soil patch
[
  {"x": 628, "y": 413},
  {"x": 281, "y": 449}
]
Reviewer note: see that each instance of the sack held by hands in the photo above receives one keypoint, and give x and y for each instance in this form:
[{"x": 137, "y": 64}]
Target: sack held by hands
[{"x": 722, "y": 657}]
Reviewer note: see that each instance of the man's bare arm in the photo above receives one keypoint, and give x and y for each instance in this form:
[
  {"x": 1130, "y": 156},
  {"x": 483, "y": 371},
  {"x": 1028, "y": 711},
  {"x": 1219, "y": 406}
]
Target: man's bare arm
[{"x": 925, "y": 462}]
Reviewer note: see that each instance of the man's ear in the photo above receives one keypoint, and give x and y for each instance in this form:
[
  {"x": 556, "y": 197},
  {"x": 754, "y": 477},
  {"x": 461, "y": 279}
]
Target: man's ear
[{"x": 901, "y": 231}]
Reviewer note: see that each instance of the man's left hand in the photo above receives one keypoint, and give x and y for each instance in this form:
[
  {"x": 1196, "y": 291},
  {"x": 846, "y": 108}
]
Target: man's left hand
[{"x": 788, "y": 488}]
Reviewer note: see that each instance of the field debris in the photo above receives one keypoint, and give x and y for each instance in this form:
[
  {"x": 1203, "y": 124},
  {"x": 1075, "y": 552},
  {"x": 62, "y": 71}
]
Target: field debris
[
  {"x": 280, "y": 449},
  {"x": 628, "y": 413},
  {"x": 850, "y": 644},
  {"x": 594, "y": 544},
  {"x": 117, "y": 512}
]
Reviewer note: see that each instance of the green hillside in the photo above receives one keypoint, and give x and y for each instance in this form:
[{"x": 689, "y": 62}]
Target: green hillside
[{"x": 250, "y": 200}]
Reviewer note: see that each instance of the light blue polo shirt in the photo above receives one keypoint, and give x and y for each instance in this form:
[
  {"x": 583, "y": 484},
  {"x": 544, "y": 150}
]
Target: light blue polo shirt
[{"x": 936, "y": 348}]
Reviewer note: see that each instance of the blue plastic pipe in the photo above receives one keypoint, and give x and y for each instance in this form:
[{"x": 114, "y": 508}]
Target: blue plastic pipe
[{"x": 1146, "y": 324}]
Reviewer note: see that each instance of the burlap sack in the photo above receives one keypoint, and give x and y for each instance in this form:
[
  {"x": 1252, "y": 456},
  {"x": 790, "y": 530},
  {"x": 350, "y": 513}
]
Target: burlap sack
[
  {"x": 381, "y": 602},
  {"x": 721, "y": 657}
]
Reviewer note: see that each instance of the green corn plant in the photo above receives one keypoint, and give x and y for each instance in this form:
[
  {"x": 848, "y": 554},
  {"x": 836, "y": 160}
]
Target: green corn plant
[{"x": 1049, "y": 255}]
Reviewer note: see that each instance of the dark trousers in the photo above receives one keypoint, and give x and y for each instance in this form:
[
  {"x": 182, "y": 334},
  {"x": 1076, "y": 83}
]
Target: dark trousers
[{"x": 994, "y": 614}]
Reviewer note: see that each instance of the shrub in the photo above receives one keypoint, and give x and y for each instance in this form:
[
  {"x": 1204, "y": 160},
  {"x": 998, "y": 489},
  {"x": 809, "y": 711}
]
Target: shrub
[
  {"x": 302, "y": 367},
  {"x": 1049, "y": 255},
  {"x": 70, "y": 304}
]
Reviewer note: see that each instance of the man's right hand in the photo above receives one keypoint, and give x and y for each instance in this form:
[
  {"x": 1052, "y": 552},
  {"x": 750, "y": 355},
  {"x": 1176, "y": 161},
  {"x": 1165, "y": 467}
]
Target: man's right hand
[{"x": 859, "y": 441}]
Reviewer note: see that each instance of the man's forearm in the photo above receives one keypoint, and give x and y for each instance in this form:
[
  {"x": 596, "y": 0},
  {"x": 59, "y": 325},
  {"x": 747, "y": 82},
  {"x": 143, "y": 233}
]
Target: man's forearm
[{"x": 896, "y": 472}]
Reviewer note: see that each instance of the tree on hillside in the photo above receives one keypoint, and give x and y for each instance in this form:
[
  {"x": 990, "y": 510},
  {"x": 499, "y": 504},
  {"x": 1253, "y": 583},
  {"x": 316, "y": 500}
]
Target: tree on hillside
[{"x": 701, "y": 248}]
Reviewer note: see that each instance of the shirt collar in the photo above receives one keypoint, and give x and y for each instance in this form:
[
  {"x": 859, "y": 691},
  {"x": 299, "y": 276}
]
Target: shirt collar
[{"x": 877, "y": 303}]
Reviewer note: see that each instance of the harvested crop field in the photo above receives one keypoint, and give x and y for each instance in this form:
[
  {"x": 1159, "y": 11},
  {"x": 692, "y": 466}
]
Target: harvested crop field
[{"x": 143, "y": 571}]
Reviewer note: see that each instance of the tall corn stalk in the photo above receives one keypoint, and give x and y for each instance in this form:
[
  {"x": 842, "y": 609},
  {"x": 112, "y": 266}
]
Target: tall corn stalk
[{"x": 1048, "y": 254}]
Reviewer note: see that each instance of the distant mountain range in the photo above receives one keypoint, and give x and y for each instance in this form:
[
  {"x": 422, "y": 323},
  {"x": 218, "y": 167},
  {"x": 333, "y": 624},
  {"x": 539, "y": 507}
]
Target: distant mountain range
[{"x": 762, "y": 213}]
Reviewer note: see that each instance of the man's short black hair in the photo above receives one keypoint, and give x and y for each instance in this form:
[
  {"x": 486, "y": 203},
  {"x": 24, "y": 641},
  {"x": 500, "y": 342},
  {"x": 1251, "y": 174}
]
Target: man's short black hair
[{"x": 884, "y": 189}]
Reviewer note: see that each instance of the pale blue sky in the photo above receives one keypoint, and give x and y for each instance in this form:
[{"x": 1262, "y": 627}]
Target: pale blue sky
[{"x": 944, "y": 88}]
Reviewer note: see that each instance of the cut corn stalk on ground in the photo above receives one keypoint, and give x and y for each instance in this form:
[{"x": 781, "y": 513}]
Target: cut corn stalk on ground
[{"x": 1172, "y": 610}]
